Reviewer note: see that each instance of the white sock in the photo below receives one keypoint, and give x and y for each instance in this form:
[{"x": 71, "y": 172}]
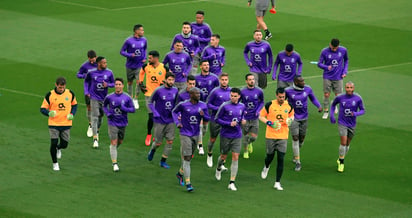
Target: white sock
[
  {"x": 296, "y": 153},
  {"x": 113, "y": 153}
]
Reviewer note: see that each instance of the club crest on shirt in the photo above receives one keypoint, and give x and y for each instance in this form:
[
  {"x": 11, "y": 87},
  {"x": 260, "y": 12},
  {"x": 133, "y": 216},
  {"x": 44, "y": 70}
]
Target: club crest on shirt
[
  {"x": 133, "y": 46},
  {"x": 286, "y": 110},
  {"x": 353, "y": 103},
  {"x": 67, "y": 98}
]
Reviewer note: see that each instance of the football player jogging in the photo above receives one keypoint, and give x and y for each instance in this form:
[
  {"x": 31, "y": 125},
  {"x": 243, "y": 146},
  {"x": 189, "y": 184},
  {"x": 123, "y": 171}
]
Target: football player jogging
[
  {"x": 87, "y": 66},
  {"x": 191, "y": 44},
  {"x": 206, "y": 82},
  {"x": 261, "y": 8},
  {"x": 277, "y": 115},
  {"x": 215, "y": 54},
  {"x": 350, "y": 107},
  {"x": 259, "y": 58},
  {"x": 191, "y": 113},
  {"x": 297, "y": 97},
  {"x": 217, "y": 97},
  {"x": 290, "y": 65},
  {"x": 161, "y": 104},
  {"x": 333, "y": 61},
  {"x": 179, "y": 63},
  {"x": 154, "y": 73},
  {"x": 116, "y": 106},
  {"x": 203, "y": 31},
  {"x": 60, "y": 105},
  {"x": 96, "y": 85},
  {"x": 253, "y": 99},
  {"x": 134, "y": 49},
  {"x": 230, "y": 117}
]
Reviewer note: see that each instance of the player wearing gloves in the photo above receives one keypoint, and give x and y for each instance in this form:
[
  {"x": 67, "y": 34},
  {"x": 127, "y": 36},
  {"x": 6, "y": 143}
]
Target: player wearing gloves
[
  {"x": 351, "y": 106},
  {"x": 116, "y": 106},
  {"x": 60, "y": 105},
  {"x": 277, "y": 115}
]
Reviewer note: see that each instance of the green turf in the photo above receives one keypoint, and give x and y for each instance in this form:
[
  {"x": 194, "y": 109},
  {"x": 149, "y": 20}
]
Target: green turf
[{"x": 43, "y": 39}]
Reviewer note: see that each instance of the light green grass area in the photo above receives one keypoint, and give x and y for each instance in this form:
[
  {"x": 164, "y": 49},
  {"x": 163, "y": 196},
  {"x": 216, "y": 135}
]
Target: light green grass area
[{"x": 41, "y": 40}]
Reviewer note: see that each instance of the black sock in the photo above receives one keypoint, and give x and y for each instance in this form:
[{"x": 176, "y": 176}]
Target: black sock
[
  {"x": 150, "y": 124},
  {"x": 267, "y": 32},
  {"x": 341, "y": 160},
  {"x": 163, "y": 159},
  {"x": 231, "y": 182}
]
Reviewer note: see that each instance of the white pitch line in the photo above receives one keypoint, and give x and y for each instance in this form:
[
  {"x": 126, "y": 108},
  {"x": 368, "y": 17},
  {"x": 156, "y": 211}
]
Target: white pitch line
[
  {"x": 309, "y": 77},
  {"x": 357, "y": 70},
  {"x": 81, "y": 5},
  {"x": 157, "y": 5},
  {"x": 127, "y": 8}
]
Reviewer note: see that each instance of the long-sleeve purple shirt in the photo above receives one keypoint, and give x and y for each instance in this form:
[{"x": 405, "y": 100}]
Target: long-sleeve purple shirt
[
  {"x": 298, "y": 99},
  {"x": 253, "y": 99},
  {"x": 289, "y": 66},
  {"x": 348, "y": 104},
  {"x": 191, "y": 44},
  {"x": 116, "y": 106},
  {"x": 203, "y": 31},
  {"x": 227, "y": 113},
  {"x": 136, "y": 46},
  {"x": 216, "y": 58},
  {"x": 93, "y": 83},
  {"x": 179, "y": 63},
  {"x": 216, "y": 98},
  {"x": 85, "y": 68},
  {"x": 338, "y": 60},
  {"x": 162, "y": 102},
  {"x": 190, "y": 117},
  {"x": 206, "y": 83},
  {"x": 260, "y": 55}
]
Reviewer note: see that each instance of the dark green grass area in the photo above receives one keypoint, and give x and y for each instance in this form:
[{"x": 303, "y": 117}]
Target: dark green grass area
[{"x": 43, "y": 39}]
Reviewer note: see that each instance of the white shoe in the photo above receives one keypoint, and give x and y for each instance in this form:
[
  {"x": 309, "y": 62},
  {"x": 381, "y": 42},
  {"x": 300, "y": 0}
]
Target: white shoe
[
  {"x": 56, "y": 167},
  {"x": 209, "y": 161},
  {"x": 95, "y": 143},
  {"x": 89, "y": 131},
  {"x": 264, "y": 172},
  {"x": 116, "y": 167},
  {"x": 232, "y": 187},
  {"x": 136, "y": 104},
  {"x": 201, "y": 151},
  {"x": 59, "y": 154},
  {"x": 278, "y": 186},
  {"x": 223, "y": 168},
  {"x": 325, "y": 115},
  {"x": 218, "y": 175}
]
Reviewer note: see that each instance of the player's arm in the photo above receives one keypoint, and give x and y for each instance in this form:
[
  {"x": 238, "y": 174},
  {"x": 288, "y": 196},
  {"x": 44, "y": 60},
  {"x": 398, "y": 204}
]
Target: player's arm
[
  {"x": 361, "y": 110},
  {"x": 321, "y": 65},
  {"x": 73, "y": 104},
  {"x": 86, "y": 84},
  {"x": 106, "y": 105},
  {"x": 110, "y": 82},
  {"x": 81, "y": 74},
  {"x": 152, "y": 104},
  {"x": 246, "y": 55},
  {"x": 206, "y": 116},
  {"x": 188, "y": 65},
  {"x": 219, "y": 117},
  {"x": 44, "y": 108},
  {"x": 175, "y": 114},
  {"x": 275, "y": 67},
  {"x": 345, "y": 63},
  {"x": 123, "y": 50},
  {"x": 332, "y": 110},
  {"x": 210, "y": 102},
  {"x": 223, "y": 58},
  {"x": 300, "y": 66},
  {"x": 314, "y": 101},
  {"x": 128, "y": 106},
  {"x": 270, "y": 58}
]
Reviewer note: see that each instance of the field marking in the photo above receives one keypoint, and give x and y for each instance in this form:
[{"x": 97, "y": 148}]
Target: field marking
[
  {"x": 78, "y": 4},
  {"x": 127, "y": 8},
  {"x": 355, "y": 71},
  {"x": 309, "y": 77}
]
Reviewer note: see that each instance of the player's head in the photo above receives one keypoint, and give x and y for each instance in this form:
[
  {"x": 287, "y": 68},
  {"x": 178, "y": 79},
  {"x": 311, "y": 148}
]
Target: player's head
[
  {"x": 170, "y": 79},
  {"x": 214, "y": 40},
  {"x": 194, "y": 93},
  {"x": 234, "y": 95},
  {"x": 224, "y": 80},
  {"x": 190, "y": 82},
  {"x": 118, "y": 85},
  {"x": 349, "y": 88},
  {"x": 153, "y": 57},
  {"x": 289, "y": 49},
  {"x": 200, "y": 16},
  {"x": 280, "y": 95},
  {"x": 60, "y": 84},
  {"x": 138, "y": 30},
  {"x": 334, "y": 44},
  {"x": 250, "y": 80},
  {"x": 204, "y": 66},
  {"x": 178, "y": 46},
  {"x": 91, "y": 54},
  {"x": 186, "y": 28},
  {"x": 257, "y": 35},
  {"x": 101, "y": 63},
  {"x": 299, "y": 82}
]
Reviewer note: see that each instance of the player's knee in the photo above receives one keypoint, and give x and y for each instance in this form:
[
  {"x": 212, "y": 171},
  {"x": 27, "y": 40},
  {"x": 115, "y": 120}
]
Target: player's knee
[
  {"x": 326, "y": 94},
  {"x": 63, "y": 144},
  {"x": 212, "y": 140},
  {"x": 295, "y": 138},
  {"x": 187, "y": 158},
  {"x": 252, "y": 138}
]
